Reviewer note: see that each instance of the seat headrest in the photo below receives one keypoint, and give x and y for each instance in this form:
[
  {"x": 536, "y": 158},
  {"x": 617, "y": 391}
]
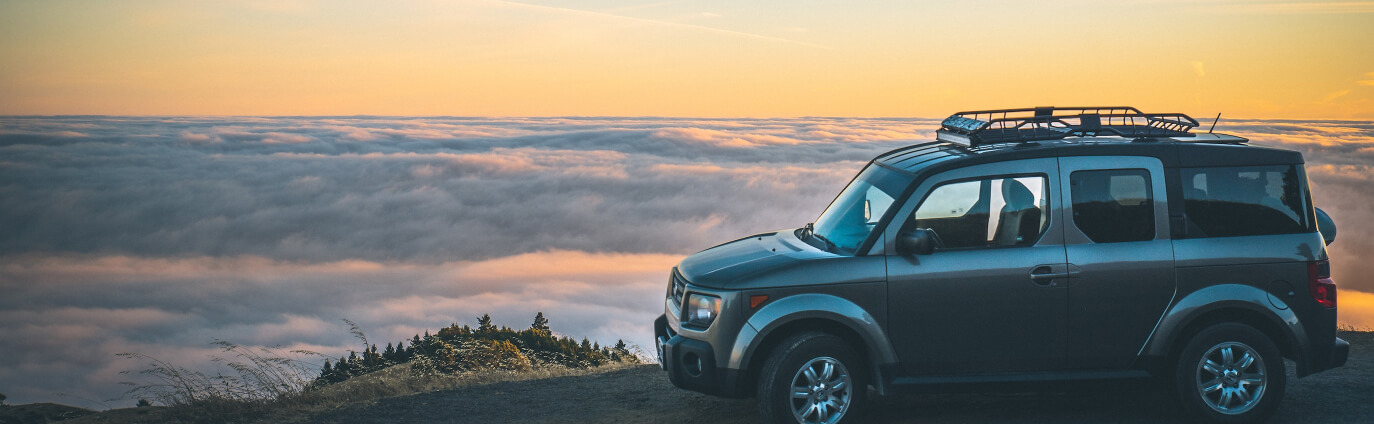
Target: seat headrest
[{"x": 1017, "y": 195}]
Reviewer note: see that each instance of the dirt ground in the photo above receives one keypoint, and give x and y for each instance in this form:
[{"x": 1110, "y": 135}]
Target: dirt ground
[{"x": 643, "y": 395}]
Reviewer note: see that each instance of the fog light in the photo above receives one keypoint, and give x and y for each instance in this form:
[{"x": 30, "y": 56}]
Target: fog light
[{"x": 691, "y": 364}]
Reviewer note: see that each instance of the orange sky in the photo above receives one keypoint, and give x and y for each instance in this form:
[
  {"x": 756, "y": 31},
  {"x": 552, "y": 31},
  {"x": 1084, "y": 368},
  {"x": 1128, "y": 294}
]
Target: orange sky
[{"x": 1245, "y": 58}]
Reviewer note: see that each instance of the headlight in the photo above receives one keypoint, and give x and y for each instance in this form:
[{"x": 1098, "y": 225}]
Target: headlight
[{"x": 702, "y": 310}]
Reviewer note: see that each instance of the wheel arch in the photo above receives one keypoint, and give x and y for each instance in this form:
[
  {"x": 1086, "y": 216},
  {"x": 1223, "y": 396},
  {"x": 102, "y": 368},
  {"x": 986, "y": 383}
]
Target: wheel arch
[
  {"x": 810, "y": 312},
  {"x": 1246, "y": 305}
]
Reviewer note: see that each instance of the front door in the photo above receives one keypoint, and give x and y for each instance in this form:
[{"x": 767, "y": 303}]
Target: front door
[{"x": 992, "y": 298}]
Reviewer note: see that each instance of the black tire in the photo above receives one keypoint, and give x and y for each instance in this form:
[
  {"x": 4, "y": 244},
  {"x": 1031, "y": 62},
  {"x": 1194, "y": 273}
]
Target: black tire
[
  {"x": 785, "y": 365},
  {"x": 1231, "y": 394}
]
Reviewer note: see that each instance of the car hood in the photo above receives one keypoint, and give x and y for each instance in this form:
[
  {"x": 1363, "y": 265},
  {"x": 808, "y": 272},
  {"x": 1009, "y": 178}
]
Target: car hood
[{"x": 775, "y": 259}]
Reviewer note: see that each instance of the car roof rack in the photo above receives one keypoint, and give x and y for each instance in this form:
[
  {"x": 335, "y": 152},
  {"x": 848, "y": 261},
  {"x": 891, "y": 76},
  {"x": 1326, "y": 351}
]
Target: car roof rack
[{"x": 983, "y": 127}]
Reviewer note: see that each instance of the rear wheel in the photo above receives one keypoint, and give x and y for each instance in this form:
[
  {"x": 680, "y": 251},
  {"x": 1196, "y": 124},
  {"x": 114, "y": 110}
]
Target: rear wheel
[
  {"x": 1230, "y": 373},
  {"x": 812, "y": 378}
]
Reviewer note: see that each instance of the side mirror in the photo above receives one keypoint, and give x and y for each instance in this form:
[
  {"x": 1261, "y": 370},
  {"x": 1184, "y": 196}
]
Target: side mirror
[
  {"x": 1326, "y": 226},
  {"x": 920, "y": 241}
]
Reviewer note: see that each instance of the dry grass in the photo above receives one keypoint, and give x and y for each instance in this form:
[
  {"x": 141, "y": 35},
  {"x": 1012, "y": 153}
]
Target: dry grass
[
  {"x": 394, "y": 381},
  {"x": 271, "y": 386},
  {"x": 1347, "y": 328},
  {"x": 407, "y": 379},
  {"x": 261, "y": 379}
]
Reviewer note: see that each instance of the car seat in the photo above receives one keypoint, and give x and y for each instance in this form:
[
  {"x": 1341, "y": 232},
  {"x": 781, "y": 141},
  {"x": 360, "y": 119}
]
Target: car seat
[{"x": 1020, "y": 217}]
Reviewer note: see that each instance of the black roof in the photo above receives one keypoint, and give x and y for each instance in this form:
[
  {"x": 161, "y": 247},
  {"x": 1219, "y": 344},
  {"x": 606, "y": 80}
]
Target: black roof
[{"x": 1192, "y": 151}]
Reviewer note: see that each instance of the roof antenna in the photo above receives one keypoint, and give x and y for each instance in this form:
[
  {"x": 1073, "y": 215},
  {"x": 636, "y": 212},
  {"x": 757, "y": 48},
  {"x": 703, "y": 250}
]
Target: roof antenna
[{"x": 1214, "y": 123}]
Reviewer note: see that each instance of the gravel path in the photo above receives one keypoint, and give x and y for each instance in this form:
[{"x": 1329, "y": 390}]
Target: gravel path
[{"x": 643, "y": 395}]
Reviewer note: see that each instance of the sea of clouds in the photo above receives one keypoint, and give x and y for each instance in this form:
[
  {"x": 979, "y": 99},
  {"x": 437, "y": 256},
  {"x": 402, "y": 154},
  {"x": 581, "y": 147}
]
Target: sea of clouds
[{"x": 158, "y": 235}]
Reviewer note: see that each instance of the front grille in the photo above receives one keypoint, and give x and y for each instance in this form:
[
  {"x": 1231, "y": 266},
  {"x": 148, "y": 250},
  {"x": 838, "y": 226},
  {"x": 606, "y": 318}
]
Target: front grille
[{"x": 677, "y": 286}]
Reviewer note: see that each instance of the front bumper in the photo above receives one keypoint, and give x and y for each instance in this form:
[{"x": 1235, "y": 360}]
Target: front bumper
[{"x": 691, "y": 363}]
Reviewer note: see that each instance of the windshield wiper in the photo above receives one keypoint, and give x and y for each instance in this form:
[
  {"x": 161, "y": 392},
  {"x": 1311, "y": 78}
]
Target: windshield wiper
[
  {"x": 809, "y": 231},
  {"x": 829, "y": 247}
]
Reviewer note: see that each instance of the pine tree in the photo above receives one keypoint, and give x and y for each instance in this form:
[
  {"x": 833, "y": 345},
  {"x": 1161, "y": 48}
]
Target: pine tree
[
  {"x": 371, "y": 360},
  {"x": 341, "y": 370},
  {"x": 390, "y": 353},
  {"x": 484, "y": 324},
  {"x": 540, "y": 323}
]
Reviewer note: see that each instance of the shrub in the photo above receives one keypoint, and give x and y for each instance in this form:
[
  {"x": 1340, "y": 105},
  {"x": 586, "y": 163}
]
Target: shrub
[{"x": 499, "y": 355}]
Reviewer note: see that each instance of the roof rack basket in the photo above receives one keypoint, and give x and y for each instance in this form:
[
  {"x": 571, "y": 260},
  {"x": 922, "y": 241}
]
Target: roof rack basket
[{"x": 982, "y": 127}]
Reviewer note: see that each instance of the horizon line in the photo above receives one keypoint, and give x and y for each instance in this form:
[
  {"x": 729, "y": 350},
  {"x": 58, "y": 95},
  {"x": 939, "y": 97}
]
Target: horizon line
[{"x": 94, "y": 115}]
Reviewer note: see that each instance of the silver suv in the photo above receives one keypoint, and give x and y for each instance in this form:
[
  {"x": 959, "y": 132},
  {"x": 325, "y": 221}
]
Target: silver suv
[{"x": 1024, "y": 245}]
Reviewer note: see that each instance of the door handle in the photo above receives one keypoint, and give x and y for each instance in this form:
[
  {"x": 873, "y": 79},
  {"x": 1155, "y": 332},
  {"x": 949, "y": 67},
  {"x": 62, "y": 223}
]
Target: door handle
[{"x": 1044, "y": 275}]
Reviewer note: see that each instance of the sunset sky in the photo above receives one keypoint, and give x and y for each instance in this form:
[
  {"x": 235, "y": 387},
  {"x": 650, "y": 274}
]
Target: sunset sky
[
  {"x": 257, "y": 171},
  {"x": 1244, "y": 58}
]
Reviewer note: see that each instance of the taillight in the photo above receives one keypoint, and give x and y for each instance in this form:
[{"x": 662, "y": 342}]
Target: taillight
[{"x": 1319, "y": 283}]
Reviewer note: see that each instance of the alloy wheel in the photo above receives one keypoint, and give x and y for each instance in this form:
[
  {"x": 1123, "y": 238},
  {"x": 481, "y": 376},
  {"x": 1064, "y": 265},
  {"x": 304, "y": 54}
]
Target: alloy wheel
[
  {"x": 1231, "y": 378},
  {"x": 821, "y": 391}
]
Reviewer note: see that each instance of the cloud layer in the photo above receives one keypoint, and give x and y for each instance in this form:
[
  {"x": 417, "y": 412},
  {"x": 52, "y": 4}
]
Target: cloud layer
[
  {"x": 429, "y": 190},
  {"x": 155, "y": 235}
]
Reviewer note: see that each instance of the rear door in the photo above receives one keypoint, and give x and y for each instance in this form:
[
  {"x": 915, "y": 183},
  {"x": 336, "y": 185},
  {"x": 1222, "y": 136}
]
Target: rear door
[
  {"x": 1117, "y": 244},
  {"x": 988, "y": 299}
]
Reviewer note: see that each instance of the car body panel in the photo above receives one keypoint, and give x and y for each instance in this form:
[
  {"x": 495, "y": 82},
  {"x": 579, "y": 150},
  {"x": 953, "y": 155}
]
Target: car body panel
[
  {"x": 789, "y": 309},
  {"x": 978, "y": 310},
  {"x": 1120, "y": 289},
  {"x": 777, "y": 259},
  {"x": 1197, "y": 303}
]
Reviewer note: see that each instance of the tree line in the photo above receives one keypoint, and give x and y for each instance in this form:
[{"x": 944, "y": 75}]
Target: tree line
[{"x": 460, "y": 348}]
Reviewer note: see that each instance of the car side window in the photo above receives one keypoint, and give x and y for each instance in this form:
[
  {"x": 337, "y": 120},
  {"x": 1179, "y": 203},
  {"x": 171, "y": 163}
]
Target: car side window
[
  {"x": 1010, "y": 211},
  {"x": 1244, "y": 201},
  {"x": 1112, "y": 206}
]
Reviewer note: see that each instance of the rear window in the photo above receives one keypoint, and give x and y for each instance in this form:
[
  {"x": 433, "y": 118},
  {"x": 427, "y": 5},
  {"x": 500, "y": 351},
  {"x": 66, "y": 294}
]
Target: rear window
[{"x": 1245, "y": 201}]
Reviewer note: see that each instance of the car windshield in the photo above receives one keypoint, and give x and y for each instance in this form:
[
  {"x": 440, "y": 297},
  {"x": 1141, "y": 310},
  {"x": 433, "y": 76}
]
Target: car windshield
[{"x": 856, "y": 211}]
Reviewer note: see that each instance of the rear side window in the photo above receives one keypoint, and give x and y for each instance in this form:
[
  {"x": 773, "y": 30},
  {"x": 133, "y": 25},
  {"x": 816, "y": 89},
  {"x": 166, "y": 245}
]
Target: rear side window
[
  {"x": 995, "y": 212},
  {"x": 1113, "y": 206},
  {"x": 1244, "y": 201}
]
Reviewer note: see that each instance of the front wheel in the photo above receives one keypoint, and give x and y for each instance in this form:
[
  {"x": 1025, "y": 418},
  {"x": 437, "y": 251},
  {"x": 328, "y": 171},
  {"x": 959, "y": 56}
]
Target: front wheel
[
  {"x": 1230, "y": 373},
  {"x": 812, "y": 378}
]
